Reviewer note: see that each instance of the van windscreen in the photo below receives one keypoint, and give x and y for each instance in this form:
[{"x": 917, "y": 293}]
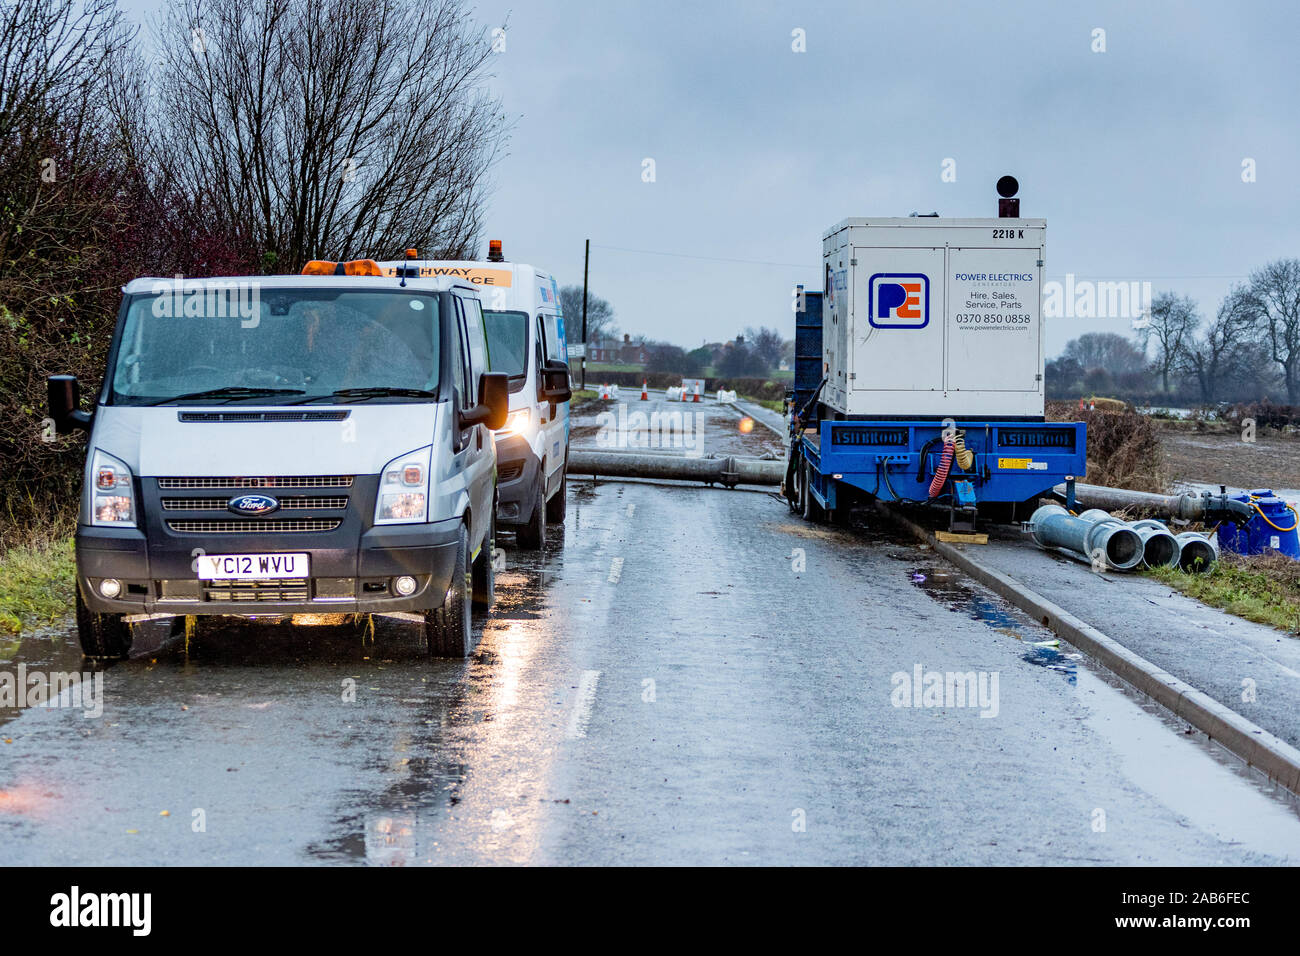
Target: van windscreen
[
  {"x": 507, "y": 334},
  {"x": 275, "y": 346}
]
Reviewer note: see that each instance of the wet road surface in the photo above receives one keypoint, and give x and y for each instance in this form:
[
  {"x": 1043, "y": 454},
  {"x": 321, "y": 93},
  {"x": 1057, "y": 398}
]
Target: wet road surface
[
  {"x": 696, "y": 428},
  {"x": 687, "y": 675}
]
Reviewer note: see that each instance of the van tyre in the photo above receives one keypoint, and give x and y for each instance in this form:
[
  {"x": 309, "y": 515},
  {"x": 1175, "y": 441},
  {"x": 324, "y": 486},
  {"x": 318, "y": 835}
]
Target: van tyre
[
  {"x": 558, "y": 506},
  {"x": 484, "y": 573},
  {"x": 102, "y": 635},
  {"x": 812, "y": 511},
  {"x": 532, "y": 536},
  {"x": 447, "y": 629}
]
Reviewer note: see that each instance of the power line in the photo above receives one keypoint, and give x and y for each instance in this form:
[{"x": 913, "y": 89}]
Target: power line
[
  {"x": 683, "y": 255},
  {"x": 805, "y": 265}
]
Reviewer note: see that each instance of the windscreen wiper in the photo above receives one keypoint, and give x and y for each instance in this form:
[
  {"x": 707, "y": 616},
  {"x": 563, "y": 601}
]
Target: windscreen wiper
[
  {"x": 231, "y": 393},
  {"x": 371, "y": 391}
]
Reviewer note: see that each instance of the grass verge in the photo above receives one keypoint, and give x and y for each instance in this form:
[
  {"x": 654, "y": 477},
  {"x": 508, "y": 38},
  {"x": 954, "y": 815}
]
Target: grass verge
[
  {"x": 1260, "y": 588},
  {"x": 36, "y": 584}
]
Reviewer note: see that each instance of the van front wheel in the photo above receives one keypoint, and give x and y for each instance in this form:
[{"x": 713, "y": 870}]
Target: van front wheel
[
  {"x": 484, "y": 571},
  {"x": 558, "y": 505},
  {"x": 102, "y": 635},
  {"x": 532, "y": 536},
  {"x": 447, "y": 629}
]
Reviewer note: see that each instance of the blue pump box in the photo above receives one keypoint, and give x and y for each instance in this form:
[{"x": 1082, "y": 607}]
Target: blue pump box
[{"x": 1273, "y": 527}]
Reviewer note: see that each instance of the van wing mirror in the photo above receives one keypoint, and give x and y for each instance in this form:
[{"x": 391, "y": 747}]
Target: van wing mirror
[
  {"x": 494, "y": 402},
  {"x": 63, "y": 397},
  {"x": 555, "y": 382}
]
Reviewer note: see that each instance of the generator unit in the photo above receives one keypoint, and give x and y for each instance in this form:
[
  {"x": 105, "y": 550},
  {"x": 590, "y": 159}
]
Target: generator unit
[{"x": 930, "y": 386}]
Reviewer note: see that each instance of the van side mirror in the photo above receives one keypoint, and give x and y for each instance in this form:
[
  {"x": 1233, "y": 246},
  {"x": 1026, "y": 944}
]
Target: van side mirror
[
  {"x": 63, "y": 397},
  {"x": 493, "y": 402},
  {"x": 555, "y": 382}
]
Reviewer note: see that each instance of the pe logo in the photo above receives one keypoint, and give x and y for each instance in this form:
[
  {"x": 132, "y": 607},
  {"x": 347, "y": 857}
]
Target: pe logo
[{"x": 899, "y": 300}]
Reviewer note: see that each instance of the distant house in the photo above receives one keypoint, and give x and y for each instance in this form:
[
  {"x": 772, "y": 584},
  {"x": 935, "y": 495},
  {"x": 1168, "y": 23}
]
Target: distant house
[{"x": 614, "y": 352}]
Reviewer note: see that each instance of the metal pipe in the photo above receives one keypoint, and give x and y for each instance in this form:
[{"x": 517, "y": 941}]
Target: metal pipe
[
  {"x": 729, "y": 471},
  {"x": 1198, "y": 553},
  {"x": 1110, "y": 540},
  {"x": 1115, "y": 499},
  {"x": 1189, "y": 507},
  {"x": 1160, "y": 549}
]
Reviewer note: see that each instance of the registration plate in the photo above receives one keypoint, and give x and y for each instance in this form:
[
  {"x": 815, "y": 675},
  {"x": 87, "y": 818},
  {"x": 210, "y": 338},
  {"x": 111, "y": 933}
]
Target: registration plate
[{"x": 252, "y": 567}]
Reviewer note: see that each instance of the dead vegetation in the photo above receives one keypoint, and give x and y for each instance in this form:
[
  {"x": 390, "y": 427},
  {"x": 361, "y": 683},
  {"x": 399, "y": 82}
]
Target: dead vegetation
[{"x": 1123, "y": 446}]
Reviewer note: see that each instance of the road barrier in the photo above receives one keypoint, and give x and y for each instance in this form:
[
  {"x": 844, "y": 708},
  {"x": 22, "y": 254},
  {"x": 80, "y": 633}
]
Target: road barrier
[{"x": 725, "y": 397}]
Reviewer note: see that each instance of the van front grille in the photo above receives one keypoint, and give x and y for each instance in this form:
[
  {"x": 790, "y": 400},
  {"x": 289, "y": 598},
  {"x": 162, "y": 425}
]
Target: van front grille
[
  {"x": 303, "y": 416},
  {"x": 286, "y": 504},
  {"x": 270, "y": 526},
  {"x": 281, "y": 481},
  {"x": 288, "y": 589}
]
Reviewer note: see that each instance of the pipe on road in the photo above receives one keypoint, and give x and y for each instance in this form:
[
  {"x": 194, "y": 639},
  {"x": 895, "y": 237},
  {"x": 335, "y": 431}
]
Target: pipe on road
[
  {"x": 1160, "y": 549},
  {"x": 1118, "y": 545},
  {"x": 729, "y": 471},
  {"x": 1189, "y": 507},
  {"x": 1198, "y": 552}
]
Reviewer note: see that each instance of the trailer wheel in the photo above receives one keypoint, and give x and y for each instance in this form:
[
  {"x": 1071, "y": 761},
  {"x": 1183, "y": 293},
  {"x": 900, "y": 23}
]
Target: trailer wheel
[
  {"x": 447, "y": 629},
  {"x": 102, "y": 635},
  {"x": 812, "y": 511}
]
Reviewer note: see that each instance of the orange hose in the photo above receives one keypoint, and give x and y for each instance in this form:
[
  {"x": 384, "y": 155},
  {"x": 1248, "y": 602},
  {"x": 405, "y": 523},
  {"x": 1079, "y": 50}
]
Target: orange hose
[{"x": 941, "y": 473}]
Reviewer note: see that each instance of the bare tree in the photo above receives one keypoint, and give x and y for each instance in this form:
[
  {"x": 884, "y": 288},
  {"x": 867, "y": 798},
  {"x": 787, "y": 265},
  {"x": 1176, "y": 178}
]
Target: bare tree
[
  {"x": 331, "y": 129},
  {"x": 1105, "y": 350},
  {"x": 1214, "y": 357},
  {"x": 1274, "y": 295},
  {"x": 1171, "y": 325},
  {"x": 600, "y": 315},
  {"x": 767, "y": 344},
  {"x": 57, "y": 161}
]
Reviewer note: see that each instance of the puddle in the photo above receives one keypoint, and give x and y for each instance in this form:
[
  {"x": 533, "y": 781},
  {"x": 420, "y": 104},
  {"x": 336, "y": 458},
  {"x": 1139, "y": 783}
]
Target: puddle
[
  {"x": 1054, "y": 660},
  {"x": 946, "y": 588}
]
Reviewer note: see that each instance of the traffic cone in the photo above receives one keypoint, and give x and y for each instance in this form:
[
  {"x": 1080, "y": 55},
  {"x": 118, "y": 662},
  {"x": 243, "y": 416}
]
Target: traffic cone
[
  {"x": 645, "y": 392},
  {"x": 697, "y": 393}
]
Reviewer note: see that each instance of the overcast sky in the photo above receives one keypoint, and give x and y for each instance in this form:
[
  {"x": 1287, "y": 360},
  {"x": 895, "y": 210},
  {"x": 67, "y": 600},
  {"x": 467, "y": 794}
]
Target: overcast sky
[{"x": 1134, "y": 156}]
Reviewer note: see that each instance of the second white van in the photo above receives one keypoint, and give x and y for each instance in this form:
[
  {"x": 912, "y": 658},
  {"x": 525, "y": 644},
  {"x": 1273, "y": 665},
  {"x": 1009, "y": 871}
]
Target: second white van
[{"x": 525, "y": 332}]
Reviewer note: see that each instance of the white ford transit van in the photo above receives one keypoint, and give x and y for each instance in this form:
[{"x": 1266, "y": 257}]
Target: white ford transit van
[{"x": 282, "y": 445}]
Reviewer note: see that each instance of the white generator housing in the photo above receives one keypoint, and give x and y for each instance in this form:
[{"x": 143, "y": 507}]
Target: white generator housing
[{"x": 934, "y": 318}]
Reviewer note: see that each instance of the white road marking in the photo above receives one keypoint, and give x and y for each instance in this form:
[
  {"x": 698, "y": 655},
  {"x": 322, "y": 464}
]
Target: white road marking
[
  {"x": 615, "y": 570},
  {"x": 582, "y": 705},
  {"x": 630, "y": 509}
]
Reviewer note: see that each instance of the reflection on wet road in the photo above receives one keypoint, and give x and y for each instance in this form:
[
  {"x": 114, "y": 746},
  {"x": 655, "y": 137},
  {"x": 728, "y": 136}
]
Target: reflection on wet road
[{"x": 687, "y": 675}]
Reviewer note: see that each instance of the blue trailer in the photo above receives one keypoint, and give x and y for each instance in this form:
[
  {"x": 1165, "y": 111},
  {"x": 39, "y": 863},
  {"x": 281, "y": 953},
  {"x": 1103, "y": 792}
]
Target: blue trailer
[{"x": 919, "y": 372}]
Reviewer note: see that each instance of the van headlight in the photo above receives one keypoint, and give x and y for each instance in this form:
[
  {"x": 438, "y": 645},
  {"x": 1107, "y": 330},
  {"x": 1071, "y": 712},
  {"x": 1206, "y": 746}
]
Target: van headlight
[
  {"x": 516, "y": 422},
  {"x": 404, "y": 489},
  {"x": 112, "y": 491}
]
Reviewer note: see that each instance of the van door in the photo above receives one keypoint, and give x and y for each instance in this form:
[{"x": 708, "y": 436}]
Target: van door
[
  {"x": 554, "y": 425},
  {"x": 475, "y": 452}
]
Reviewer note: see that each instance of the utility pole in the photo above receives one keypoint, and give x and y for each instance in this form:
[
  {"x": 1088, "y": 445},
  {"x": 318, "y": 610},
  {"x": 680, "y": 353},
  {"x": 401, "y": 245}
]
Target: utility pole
[{"x": 586, "y": 261}]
